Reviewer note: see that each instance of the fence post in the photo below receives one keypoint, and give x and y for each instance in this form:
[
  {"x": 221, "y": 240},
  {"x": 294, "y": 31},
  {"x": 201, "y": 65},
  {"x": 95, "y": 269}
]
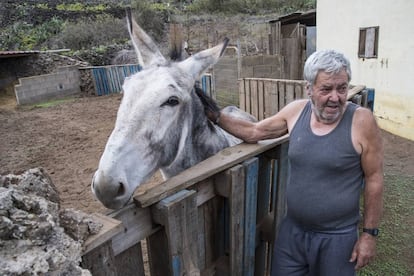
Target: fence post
[{"x": 178, "y": 214}]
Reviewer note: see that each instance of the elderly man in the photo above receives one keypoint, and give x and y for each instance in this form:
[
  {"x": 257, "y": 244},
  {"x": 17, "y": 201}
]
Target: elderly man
[{"x": 335, "y": 152}]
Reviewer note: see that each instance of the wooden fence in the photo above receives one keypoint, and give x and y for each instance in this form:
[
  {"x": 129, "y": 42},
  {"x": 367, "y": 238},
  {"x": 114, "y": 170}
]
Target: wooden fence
[
  {"x": 109, "y": 79},
  {"x": 217, "y": 218},
  {"x": 264, "y": 97}
]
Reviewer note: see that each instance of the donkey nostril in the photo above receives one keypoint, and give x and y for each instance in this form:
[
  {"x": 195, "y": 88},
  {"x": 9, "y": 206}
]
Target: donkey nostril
[{"x": 121, "y": 189}]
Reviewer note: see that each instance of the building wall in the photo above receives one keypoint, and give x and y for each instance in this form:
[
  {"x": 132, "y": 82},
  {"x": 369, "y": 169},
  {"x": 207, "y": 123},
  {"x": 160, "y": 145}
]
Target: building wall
[
  {"x": 390, "y": 74},
  {"x": 36, "y": 89}
]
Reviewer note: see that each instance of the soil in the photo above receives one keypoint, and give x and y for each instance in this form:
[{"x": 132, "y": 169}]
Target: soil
[{"x": 67, "y": 140}]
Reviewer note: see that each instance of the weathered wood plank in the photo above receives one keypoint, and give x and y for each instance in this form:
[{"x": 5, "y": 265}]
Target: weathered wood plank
[
  {"x": 254, "y": 98},
  {"x": 260, "y": 101},
  {"x": 100, "y": 261},
  {"x": 355, "y": 90},
  {"x": 137, "y": 225},
  {"x": 281, "y": 87},
  {"x": 263, "y": 202},
  {"x": 223, "y": 160},
  {"x": 252, "y": 170},
  {"x": 242, "y": 94},
  {"x": 158, "y": 254},
  {"x": 110, "y": 228},
  {"x": 272, "y": 98},
  {"x": 290, "y": 92},
  {"x": 236, "y": 201},
  {"x": 130, "y": 261},
  {"x": 178, "y": 213},
  {"x": 248, "y": 95},
  {"x": 280, "y": 207}
]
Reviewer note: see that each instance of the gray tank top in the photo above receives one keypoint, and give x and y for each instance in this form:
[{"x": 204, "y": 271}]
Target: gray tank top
[{"x": 325, "y": 177}]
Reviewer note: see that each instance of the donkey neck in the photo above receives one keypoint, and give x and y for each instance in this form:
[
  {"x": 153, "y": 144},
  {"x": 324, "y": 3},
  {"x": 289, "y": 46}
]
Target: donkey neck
[{"x": 199, "y": 140}]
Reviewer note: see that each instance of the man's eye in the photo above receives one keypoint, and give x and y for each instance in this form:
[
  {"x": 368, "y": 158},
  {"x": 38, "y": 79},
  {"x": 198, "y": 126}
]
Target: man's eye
[{"x": 343, "y": 89}]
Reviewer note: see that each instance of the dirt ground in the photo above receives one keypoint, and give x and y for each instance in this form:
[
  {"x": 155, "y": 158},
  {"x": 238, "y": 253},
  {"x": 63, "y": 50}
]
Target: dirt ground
[{"x": 68, "y": 139}]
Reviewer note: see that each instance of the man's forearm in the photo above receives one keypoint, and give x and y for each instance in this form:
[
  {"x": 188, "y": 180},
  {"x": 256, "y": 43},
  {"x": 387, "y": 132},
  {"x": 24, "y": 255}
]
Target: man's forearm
[{"x": 373, "y": 203}]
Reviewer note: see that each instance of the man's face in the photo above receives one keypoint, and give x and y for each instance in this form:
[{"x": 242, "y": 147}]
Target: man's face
[{"x": 328, "y": 96}]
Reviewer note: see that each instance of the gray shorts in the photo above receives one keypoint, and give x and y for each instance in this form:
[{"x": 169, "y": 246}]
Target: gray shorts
[{"x": 302, "y": 252}]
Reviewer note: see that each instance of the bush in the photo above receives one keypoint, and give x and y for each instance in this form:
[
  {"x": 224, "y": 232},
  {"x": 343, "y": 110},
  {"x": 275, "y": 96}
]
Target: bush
[{"x": 87, "y": 33}]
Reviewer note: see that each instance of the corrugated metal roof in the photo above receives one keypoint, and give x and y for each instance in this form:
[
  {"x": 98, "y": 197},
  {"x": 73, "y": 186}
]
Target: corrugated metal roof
[{"x": 9, "y": 54}]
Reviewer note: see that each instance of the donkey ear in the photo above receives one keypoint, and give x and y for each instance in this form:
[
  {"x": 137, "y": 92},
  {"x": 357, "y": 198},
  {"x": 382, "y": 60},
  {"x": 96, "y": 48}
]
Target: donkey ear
[
  {"x": 197, "y": 64},
  {"x": 147, "y": 51}
]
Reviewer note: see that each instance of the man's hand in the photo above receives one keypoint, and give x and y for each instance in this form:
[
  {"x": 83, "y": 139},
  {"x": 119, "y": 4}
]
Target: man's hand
[{"x": 364, "y": 250}]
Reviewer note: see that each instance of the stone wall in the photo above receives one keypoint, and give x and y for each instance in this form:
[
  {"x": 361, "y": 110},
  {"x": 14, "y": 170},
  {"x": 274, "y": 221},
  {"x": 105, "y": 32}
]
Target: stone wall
[{"x": 63, "y": 83}]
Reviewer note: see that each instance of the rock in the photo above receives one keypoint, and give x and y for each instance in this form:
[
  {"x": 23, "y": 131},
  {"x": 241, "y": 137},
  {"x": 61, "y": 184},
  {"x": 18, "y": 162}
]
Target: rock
[
  {"x": 78, "y": 225},
  {"x": 33, "y": 238}
]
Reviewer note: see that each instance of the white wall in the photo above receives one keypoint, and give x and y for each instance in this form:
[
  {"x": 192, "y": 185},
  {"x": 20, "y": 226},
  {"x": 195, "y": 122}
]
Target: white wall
[{"x": 392, "y": 73}]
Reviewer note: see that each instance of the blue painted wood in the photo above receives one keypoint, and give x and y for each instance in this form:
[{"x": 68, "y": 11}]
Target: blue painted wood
[
  {"x": 371, "y": 98},
  {"x": 109, "y": 79},
  {"x": 176, "y": 265},
  {"x": 206, "y": 85},
  {"x": 252, "y": 171}
]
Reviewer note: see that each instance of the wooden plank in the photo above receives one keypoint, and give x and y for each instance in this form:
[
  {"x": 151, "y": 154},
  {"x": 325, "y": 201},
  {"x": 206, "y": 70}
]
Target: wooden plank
[
  {"x": 110, "y": 228},
  {"x": 203, "y": 242},
  {"x": 100, "y": 261},
  {"x": 137, "y": 225},
  {"x": 248, "y": 97},
  {"x": 355, "y": 90},
  {"x": 280, "y": 207},
  {"x": 260, "y": 100},
  {"x": 300, "y": 91},
  {"x": 357, "y": 99},
  {"x": 158, "y": 254},
  {"x": 253, "y": 98},
  {"x": 272, "y": 98},
  {"x": 281, "y": 88},
  {"x": 205, "y": 191},
  {"x": 178, "y": 213},
  {"x": 263, "y": 201},
  {"x": 252, "y": 170},
  {"x": 242, "y": 94},
  {"x": 223, "y": 160},
  {"x": 364, "y": 95},
  {"x": 290, "y": 92},
  {"x": 236, "y": 201},
  {"x": 130, "y": 262}
]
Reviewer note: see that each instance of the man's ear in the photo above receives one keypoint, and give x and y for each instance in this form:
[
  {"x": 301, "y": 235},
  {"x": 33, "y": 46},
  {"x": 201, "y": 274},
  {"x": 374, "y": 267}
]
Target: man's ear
[{"x": 308, "y": 88}]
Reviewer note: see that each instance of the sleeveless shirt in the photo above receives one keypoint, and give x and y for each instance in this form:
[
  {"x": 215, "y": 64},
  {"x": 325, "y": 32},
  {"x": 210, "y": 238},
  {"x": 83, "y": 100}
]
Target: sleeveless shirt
[{"x": 326, "y": 176}]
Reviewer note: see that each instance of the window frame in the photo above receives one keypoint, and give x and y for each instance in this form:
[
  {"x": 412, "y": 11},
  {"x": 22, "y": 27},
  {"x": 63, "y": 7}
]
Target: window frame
[{"x": 368, "y": 37}]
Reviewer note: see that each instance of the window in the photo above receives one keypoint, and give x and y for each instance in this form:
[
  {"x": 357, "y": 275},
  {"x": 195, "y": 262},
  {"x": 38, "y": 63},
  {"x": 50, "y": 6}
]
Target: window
[{"x": 368, "y": 42}]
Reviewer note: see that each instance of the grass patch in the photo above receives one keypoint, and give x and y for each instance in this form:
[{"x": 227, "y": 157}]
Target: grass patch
[
  {"x": 395, "y": 246},
  {"x": 51, "y": 103}
]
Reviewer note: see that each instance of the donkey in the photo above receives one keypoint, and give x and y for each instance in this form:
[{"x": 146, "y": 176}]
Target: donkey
[{"x": 160, "y": 123}]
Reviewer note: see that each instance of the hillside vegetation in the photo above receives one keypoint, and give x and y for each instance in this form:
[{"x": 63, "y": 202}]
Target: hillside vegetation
[{"x": 95, "y": 28}]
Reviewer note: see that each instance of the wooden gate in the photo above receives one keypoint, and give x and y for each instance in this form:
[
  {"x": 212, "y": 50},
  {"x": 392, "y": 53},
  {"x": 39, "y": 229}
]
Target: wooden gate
[{"x": 217, "y": 218}]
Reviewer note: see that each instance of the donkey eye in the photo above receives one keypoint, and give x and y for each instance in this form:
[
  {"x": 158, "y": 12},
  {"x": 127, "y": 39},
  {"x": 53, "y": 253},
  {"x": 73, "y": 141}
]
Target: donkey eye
[{"x": 172, "y": 101}]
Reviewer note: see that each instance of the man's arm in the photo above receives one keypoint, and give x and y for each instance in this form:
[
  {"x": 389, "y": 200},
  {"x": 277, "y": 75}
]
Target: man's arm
[
  {"x": 370, "y": 141},
  {"x": 269, "y": 128}
]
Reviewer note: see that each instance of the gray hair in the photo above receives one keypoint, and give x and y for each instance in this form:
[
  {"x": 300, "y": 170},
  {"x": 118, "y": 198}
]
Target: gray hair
[{"x": 329, "y": 61}]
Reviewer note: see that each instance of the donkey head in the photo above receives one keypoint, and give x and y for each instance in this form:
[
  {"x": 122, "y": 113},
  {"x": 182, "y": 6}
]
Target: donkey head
[{"x": 152, "y": 120}]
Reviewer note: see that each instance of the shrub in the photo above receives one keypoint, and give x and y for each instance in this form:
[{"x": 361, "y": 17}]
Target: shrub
[{"x": 88, "y": 33}]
